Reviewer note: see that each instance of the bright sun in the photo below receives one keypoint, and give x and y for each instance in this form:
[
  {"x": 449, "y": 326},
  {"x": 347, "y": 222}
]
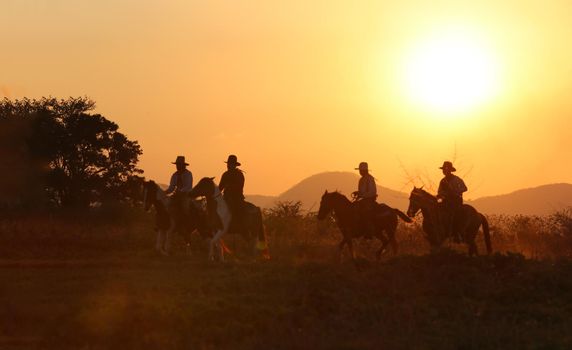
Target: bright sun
[{"x": 450, "y": 74}]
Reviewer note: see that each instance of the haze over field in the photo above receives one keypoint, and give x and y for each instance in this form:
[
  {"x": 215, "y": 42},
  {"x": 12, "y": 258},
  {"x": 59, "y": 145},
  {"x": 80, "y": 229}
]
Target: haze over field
[{"x": 302, "y": 87}]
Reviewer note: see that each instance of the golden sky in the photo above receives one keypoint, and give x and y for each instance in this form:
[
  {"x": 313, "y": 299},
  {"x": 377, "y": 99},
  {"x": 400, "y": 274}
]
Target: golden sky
[{"x": 299, "y": 87}]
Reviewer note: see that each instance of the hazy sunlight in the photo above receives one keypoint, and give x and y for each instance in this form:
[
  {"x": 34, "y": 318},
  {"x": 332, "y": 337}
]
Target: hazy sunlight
[{"x": 450, "y": 74}]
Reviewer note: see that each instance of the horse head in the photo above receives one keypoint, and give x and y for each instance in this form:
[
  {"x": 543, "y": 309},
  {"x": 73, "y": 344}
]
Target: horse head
[
  {"x": 419, "y": 199},
  {"x": 331, "y": 201},
  {"x": 204, "y": 188},
  {"x": 325, "y": 206},
  {"x": 150, "y": 189}
]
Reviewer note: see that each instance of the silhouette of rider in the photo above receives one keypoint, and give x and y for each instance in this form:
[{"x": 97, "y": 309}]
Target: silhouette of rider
[
  {"x": 232, "y": 186},
  {"x": 366, "y": 196},
  {"x": 181, "y": 183},
  {"x": 450, "y": 193}
]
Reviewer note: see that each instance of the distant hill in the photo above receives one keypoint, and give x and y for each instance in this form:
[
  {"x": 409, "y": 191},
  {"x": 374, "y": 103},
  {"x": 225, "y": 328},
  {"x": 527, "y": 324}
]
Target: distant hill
[
  {"x": 540, "y": 200},
  {"x": 261, "y": 200},
  {"x": 310, "y": 190}
]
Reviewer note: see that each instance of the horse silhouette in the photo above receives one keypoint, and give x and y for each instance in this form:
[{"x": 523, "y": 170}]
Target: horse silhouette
[
  {"x": 166, "y": 225},
  {"x": 347, "y": 218},
  {"x": 252, "y": 227},
  {"x": 467, "y": 223}
]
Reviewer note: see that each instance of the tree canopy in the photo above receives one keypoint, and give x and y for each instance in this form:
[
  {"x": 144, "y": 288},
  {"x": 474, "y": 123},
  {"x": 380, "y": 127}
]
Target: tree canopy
[{"x": 79, "y": 157}]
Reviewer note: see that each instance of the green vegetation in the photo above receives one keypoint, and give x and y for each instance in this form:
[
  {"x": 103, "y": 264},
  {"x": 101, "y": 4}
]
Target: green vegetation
[{"x": 94, "y": 282}]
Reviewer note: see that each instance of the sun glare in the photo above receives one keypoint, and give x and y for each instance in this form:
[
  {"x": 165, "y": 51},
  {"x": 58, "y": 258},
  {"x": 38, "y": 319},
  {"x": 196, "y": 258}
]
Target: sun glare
[{"x": 450, "y": 74}]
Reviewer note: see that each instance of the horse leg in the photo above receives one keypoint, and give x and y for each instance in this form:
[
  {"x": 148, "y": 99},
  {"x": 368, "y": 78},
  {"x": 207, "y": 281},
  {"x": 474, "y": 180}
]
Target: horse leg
[
  {"x": 473, "y": 250},
  {"x": 160, "y": 241},
  {"x": 340, "y": 249},
  {"x": 384, "y": 244},
  {"x": 391, "y": 233},
  {"x": 394, "y": 244},
  {"x": 259, "y": 234},
  {"x": 214, "y": 243},
  {"x": 380, "y": 251},
  {"x": 351, "y": 245},
  {"x": 224, "y": 247},
  {"x": 168, "y": 245},
  {"x": 169, "y": 241},
  {"x": 188, "y": 249},
  {"x": 188, "y": 236},
  {"x": 220, "y": 250}
]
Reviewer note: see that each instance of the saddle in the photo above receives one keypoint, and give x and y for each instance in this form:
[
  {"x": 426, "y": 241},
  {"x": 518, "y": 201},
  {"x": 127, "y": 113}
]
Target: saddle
[{"x": 377, "y": 209}]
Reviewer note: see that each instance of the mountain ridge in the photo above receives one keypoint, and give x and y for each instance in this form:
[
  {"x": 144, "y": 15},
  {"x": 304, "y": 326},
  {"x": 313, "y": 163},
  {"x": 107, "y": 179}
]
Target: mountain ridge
[{"x": 538, "y": 200}]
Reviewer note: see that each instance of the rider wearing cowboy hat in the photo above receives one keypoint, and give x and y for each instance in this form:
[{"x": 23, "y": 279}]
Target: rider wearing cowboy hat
[
  {"x": 182, "y": 179},
  {"x": 366, "y": 196},
  {"x": 181, "y": 183},
  {"x": 451, "y": 189},
  {"x": 232, "y": 186}
]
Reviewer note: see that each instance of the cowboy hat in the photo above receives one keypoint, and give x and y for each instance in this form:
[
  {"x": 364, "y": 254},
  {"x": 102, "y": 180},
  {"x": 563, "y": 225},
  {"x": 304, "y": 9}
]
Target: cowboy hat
[
  {"x": 448, "y": 165},
  {"x": 362, "y": 166},
  {"x": 232, "y": 160},
  {"x": 180, "y": 160}
]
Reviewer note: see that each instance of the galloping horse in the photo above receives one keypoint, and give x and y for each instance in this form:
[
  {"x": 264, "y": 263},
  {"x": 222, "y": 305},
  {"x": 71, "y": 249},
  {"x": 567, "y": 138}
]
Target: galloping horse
[
  {"x": 467, "y": 225},
  {"x": 252, "y": 228},
  {"x": 346, "y": 214},
  {"x": 164, "y": 220}
]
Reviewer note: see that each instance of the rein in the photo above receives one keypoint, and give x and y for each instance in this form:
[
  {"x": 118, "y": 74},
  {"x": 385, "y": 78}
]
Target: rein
[
  {"x": 422, "y": 201},
  {"x": 341, "y": 208}
]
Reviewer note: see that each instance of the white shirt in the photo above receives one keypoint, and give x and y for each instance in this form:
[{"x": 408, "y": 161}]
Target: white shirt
[
  {"x": 367, "y": 187},
  {"x": 187, "y": 182}
]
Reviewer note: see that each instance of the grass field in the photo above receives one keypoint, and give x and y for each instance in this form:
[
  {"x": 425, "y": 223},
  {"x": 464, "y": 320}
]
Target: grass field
[
  {"x": 102, "y": 287},
  {"x": 444, "y": 301}
]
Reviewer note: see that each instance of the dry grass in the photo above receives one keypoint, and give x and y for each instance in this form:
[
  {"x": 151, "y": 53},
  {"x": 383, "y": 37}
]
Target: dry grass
[{"x": 80, "y": 283}]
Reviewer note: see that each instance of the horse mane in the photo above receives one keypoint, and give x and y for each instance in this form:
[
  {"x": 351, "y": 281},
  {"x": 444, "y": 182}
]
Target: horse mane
[
  {"x": 160, "y": 194},
  {"x": 340, "y": 195},
  {"x": 206, "y": 182},
  {"x": 425, "y": 193},
  {"x": 206, "y": 179}
]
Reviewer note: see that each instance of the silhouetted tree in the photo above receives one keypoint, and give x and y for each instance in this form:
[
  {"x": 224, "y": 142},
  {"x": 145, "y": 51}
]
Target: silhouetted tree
[{"x": 83, "y": 156}]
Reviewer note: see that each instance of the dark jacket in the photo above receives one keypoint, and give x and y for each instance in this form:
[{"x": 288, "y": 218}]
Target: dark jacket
[
  {"x": 232, "y": 184},
  {"x": 451, "y": 188}
]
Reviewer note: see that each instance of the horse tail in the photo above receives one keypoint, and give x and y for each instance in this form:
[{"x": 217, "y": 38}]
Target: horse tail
[
  {"x": 402, "y": 215},
  {"x": 487, "y": 234},
  {"x": 261, "y": 241}
]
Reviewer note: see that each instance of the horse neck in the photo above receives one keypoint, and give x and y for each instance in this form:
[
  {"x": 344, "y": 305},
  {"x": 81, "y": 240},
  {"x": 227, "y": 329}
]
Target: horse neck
[
  {"x": 429, "y": 208},
  {"x": 216, "y": 197},
  {"x": 426, "y": 212},
  {"x": 161, "y": 199},
  {"x": 341, "y": 206}
]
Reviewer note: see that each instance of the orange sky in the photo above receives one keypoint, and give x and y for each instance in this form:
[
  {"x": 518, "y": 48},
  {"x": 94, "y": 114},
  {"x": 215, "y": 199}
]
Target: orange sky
[{"x": 300, "y": 87}]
